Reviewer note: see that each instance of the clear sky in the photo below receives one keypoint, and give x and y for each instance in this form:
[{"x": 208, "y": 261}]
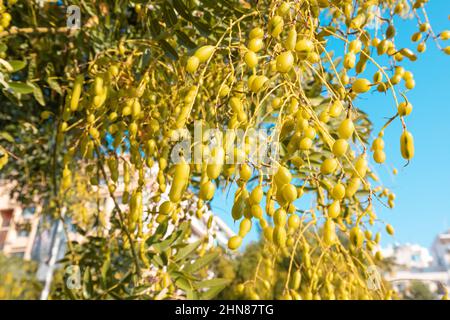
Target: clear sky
[{"x": 422, "y": 206}]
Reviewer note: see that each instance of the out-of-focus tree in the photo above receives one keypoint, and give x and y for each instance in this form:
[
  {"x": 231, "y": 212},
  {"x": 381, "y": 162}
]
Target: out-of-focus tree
[{"x": 18, "y": 279}]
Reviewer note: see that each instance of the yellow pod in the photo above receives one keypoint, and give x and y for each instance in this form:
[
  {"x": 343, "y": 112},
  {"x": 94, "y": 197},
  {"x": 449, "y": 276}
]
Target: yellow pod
[
  {"x": 256, "y": 195},
  {"x": 329, "y": 166},
  {"x": 245, "y": 226},
  {"x": 291, "y": 39},
  {"x": 207, "y": 190},
  {"x": 135, "y": 206},
  {"x": 295, "y": 280},
  {"x": 390, "y": 229},
  {"x": 356, "y": 237},
  {"x": 276, "y": 25},
  {"x": 329, "y": 232},
  {"x": 256, "y": 44},
  {"x": 280, "y": 217},
  {"x": 166, "y": 208},
  {"x": 251, "y": 59},
  {"x": 407, "y": 145},
  {"x": 234, "y": 242},
  {"x": 240, "y": 205},
  {"x": 214, "y": 168},
  {"x": 256, "y": 33},
  {"x": 279, "y": 236},
  {"x": 352, "y": 187},
  {"x": 180, "y": 181},
  {"x": 282, "y": 176},
  {"x": 268, "y": 233},
  {"x": 293, "y": 221},
  {"x": 334, "y": 209},
  {"x": 289, "y": 192},
  {"x": 136, "y": 109},
  {"x": 340, "y": 147},
  {"x": 338, "y": 192},
  {"x": 98, "y": 85},
  {"x": 304, "y": 48},
  {"x": 204, "y": 53},
  {"x": 361, "y": 85},
  {"x": 346, "y": 129},
  {"x": 192, "y": 64},
  {"x": 256, "y": 211},
  {"x": 285, "y": 61},
  {"x": 361, "y": 166},
  {"x": 76, "y": 92},
  {"x": 258, "y": 83}
]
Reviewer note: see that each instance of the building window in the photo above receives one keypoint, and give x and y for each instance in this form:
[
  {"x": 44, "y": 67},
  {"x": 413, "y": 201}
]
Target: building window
[
  {"x": 28, "y": 212},
  {"x": 5, "y": 221},
  {"x": 19, "y": 254},
  {"x": 23, "y": 233}
]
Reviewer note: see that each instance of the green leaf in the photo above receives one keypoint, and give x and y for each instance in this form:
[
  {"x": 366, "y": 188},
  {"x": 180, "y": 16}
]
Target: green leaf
[
  {"x": 211, "y": 283},
  {"x": 5, "y": 135},
  {"x": 170, "y": 15},
  {"x": 38, "y": 95},
  {"x": 87, "y": 284},
  {"x": 20, "y": 87},
  {"x": 17, "y": 65},
  {"x": 184, "y": 252},
  {"x": 54, "y": 85},
  {"x": 183, "y": 284},
  {"x": 182, "y": 9},
  {"x": 202, "y": 27},
  {"x": 211, "y": 293},
  {"x": 155, "y": 28},
  {"x": 184, "y": 40},
  {"x": 191, "y": 295},
  {"x": 201, "y": 262},
  {"x": 168, "y": 49}
]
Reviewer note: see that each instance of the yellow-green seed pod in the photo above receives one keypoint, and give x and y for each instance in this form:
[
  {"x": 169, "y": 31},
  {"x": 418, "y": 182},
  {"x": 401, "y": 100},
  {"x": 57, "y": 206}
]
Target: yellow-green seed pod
[
  {"x": 291, "y": 39},
  {"x": 192, "y": 64},
  {"x": 294, "y": 281},
  {"x": 356, "y": 237},
  {"x": 390, "y": 229},
  {"x": 276, "y": 25},
  {"x": 251, "y": 59},
  {"x": 76, "y": 92},
  {"x": 280, "y": 217},
  {"x": 279, "y": 236},
  {"x": 245, "y": 226},
  {"x": 407, "y": 145},
  {"x": 214, "y": 168},
  {"x": 166, "y": 208},
  {"x": 135, "y": 207},
  {"x": 334, "y": 210},
  {"x": 207, "y": 190},
  {"x": 234, "y": 242},
  {"x": 293, "y": 221},
  {"x": 204, "y": 53},
  {"x": 329, "y": 232},
  {"x": 180, "y": 181}
]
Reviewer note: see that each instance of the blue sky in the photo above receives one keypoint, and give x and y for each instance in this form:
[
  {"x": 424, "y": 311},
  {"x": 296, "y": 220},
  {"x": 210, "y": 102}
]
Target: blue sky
[{"x": 422, "y": 206}]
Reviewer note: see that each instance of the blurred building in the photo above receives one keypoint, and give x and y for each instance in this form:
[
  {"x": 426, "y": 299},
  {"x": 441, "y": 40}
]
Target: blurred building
[
  {"x": 441, "y": 251},
  {"x": 412, "y": 262},
  {"x": 18, "y": 224},
  {"x": 409, "y": 256}
]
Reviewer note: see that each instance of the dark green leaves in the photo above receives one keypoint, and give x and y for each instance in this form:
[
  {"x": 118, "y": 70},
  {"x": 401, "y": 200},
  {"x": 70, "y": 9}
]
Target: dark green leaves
[
  {"x": 20, "y": 87},
  {"x": 168, "y": 50}
]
